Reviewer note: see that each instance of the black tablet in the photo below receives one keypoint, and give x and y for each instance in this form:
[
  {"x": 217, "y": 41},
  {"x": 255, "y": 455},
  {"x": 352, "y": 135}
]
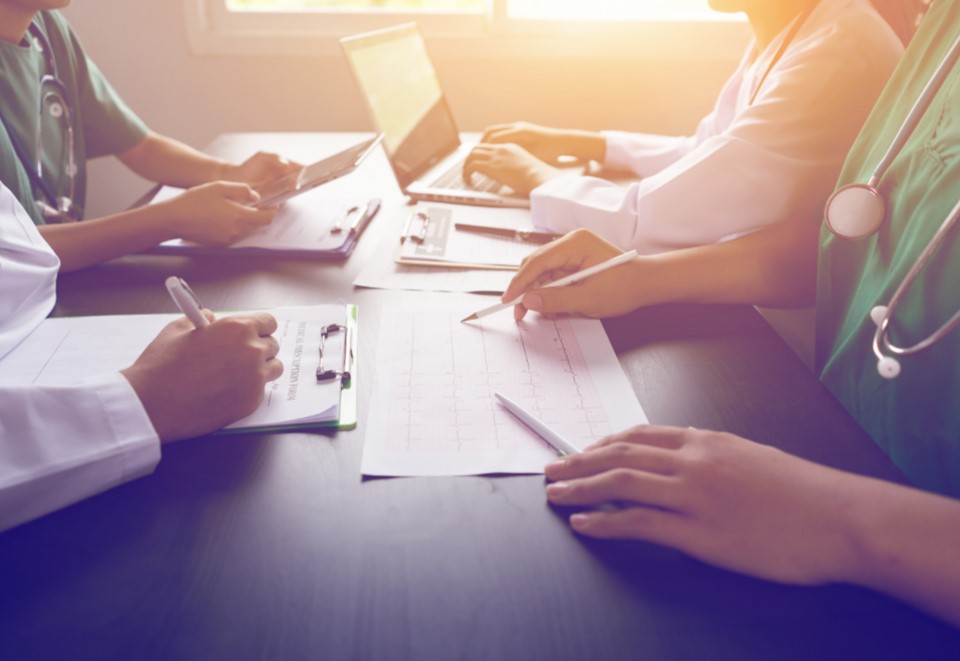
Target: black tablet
[{"x": 278, "y": 191}]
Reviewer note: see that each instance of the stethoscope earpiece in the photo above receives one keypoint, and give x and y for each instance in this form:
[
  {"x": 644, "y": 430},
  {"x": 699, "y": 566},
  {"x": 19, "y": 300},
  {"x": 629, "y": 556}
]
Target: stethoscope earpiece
[
  {"x": 878, "y": 314},
  {"x": 888, "y": 367}
]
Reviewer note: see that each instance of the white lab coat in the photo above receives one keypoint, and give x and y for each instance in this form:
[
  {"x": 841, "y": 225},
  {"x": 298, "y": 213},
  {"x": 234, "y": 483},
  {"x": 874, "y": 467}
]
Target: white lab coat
[
  {"x": 58, "y": 444},
  {"x": 747, "y": 165}
]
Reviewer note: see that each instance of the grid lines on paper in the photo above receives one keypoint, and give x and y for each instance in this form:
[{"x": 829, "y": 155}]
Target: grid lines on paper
[{"x": 442, "y": 395}]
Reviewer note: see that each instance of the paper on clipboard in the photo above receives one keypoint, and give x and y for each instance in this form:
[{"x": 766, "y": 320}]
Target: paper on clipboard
[
  {"x": 310, "y": 223},
  {"x": 435, "y": 241}
]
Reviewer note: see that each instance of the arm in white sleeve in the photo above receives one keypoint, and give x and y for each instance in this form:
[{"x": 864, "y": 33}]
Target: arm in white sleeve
[
  {"x": 61, "y": 444},
  {"x": 778, "y": 159}
]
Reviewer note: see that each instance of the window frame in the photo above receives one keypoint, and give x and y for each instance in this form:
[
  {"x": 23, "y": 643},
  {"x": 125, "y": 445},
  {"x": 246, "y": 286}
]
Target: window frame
[{"x": 215, "y": 30}]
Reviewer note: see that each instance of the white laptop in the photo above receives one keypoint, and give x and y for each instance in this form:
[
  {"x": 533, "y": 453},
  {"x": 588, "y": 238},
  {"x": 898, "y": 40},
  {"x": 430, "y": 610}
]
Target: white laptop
[{"x": 421, "y": 139}]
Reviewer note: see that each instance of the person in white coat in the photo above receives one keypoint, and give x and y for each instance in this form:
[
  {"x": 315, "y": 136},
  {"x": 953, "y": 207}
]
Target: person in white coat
[
  {"x": 771, "y": 148},
  {"x": 60, "y": 444}
]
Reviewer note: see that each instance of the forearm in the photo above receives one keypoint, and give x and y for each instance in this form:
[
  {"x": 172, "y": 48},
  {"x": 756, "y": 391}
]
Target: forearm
[
  {"x": 168, "y": 161},
  {"x": 89, "y": 242},
  {"x": 908, "y": 546},
  {"x": 775, "y": 266},
  {"x": 586, "y": 145}
]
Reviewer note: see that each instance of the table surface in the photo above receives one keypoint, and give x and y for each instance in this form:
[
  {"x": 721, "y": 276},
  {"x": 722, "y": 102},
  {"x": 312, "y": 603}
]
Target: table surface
[{"x": 273, "y": 546}]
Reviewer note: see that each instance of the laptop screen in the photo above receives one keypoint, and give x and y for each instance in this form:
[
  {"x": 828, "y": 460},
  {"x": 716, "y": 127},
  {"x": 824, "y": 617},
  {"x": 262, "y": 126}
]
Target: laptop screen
[{"x": 403, "y": 92}]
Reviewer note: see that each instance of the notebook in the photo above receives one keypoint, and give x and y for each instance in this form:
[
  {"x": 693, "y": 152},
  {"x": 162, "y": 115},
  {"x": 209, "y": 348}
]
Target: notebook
[
  {"x": 421, "y": 140},
  {"x": 67, "y": 350}
]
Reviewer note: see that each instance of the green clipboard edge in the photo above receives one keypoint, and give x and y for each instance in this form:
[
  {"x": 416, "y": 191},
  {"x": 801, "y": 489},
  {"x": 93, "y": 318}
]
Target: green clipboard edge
[{"x": 348, "y": 396}]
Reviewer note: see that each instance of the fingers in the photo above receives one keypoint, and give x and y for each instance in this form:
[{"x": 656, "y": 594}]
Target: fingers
[
  {"x": 237, "y": 192},
  {"x": 273, "y": 370},
  {"x": 263, "y": 322},
  {"x": 611, "y": 457},
  {"x": 668, "y": 438},
  {"x": 617, "y": 485},
  {"x": 554, "y": 257},
  {"x": 648, "y": 524}
]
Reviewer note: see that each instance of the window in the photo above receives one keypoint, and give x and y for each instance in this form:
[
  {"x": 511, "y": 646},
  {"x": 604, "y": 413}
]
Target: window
[{"x": 490, "y": 28}]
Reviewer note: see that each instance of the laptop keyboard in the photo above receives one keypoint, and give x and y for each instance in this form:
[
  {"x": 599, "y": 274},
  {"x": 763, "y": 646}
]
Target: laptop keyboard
[{"x": 452, "y": 179}]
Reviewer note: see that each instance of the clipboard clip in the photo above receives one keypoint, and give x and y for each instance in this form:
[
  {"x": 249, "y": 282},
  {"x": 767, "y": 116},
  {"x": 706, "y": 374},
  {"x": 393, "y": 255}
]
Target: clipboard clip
[
  {"x": 420, "y": 218},
  {"x": 326, "y": 374},
  {"x": 343, "y": 218}
]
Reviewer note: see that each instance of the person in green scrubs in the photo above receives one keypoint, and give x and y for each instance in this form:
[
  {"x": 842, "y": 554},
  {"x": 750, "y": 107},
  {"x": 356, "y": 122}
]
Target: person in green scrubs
[
  {"x": 751, "y": 508},
  {"x": 49, "y": 85}
]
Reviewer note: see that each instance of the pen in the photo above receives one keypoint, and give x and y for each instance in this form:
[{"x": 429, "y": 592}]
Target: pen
[
  {"x": 531, "y": 236},
  {"x": 571, "y": 279},
  {"x": 562, "y": 446},
  {"x": 186, "y": 300}
]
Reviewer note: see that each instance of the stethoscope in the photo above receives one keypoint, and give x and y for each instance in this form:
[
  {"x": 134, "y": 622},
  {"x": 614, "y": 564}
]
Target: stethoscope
[
  {"x": 53, "y": 100},
  {"x": 856, "y": 211}
]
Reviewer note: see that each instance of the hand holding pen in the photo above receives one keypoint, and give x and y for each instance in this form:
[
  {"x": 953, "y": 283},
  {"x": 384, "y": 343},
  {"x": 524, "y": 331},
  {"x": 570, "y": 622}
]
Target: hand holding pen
[
  {"x": 579, "y": 273},
  {"x": 607, "y": 294}
]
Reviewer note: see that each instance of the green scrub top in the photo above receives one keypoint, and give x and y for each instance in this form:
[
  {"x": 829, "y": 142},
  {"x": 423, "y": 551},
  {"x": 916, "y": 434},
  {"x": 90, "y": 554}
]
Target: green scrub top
[
  {"x": 103, "y": 124},
  {"x": 914, "y": 418}
]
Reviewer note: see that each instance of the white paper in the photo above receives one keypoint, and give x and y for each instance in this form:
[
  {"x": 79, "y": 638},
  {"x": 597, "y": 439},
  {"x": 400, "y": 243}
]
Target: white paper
[
  {"x": 382, "y": 272},
  {"x": 69, "y": 349},
  {"x": 302, "y": 223},
  {"x": 433, "y": 411}
]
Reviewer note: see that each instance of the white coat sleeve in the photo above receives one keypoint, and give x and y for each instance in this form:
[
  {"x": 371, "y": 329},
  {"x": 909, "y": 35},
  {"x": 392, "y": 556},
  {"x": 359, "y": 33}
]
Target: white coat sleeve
[
  {"x": 61, "y": 444},
  {"x": 778, "y": 159}
]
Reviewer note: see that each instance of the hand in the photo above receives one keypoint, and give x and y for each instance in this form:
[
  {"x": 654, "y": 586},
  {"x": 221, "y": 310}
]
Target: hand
[
  {"x": 510, "y": 165},
  {"x": 548, "y": 144},
  {"x": 718, "y": 497},
  {"x": 194, "y": 381},
  {"x": 217, "y": 214},
  {"x": 606, "y": 294},
  {"x": 260, "y": 168}
]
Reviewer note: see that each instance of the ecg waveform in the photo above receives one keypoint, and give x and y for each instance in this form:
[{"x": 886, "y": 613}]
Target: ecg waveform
[{"x": 442, "y": 399}]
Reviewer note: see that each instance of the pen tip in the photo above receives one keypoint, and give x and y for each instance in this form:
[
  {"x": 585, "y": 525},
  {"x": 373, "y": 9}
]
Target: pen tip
[{"x": 470, "y": 318}]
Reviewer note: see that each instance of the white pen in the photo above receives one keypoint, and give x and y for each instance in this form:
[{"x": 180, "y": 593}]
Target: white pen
[
  {"x": 562, "y": 446},
  {"x": 186, "y": 300},
  {"x": 571, "y": 279}
]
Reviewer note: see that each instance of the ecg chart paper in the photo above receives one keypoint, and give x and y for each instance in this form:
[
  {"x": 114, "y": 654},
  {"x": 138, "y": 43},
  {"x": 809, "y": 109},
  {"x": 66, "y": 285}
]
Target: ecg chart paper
[{"x": 433, "y": 411}]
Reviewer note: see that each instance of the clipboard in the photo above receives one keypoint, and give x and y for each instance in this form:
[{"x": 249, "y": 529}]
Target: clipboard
[
  {"x": 347, "y": 418},
  {"x": 340, "y": 222},
  {"x": 430, "y": 238}
]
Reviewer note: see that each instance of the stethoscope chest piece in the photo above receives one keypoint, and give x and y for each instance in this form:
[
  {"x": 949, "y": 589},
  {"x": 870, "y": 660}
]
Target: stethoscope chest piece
[{"x": 855, "y": 211}]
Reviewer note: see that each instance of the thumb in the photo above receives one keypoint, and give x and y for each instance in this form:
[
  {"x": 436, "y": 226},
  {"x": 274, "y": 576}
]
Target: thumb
[{"x": 238, "y": 192}]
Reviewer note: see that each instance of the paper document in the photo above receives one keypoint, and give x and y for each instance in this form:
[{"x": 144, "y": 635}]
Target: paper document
[
  {"x": 433, "y": 411},
  {"x": 305, "y": 223},
  {"x": 382, "y": 272},
  {"x": 69, "y": 349},
  {"x": 442, "y": 243}
]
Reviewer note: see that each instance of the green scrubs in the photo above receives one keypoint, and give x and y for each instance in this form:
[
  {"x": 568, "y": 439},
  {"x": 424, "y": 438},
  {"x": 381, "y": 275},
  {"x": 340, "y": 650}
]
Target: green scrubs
[
  {"x": 915, "y": 418},
  {"x": 103, "y": 124}
]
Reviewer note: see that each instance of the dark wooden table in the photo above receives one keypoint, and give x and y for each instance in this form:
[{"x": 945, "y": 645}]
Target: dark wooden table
[{"x": 274, "y": 547}]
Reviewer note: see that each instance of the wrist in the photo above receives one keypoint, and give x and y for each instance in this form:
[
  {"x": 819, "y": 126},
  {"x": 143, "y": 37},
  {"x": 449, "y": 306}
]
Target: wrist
[{"x": 588, "y": 146}]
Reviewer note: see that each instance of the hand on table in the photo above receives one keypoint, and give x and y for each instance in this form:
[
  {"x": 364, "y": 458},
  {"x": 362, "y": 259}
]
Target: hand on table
[{"x": 717, "y": 497}]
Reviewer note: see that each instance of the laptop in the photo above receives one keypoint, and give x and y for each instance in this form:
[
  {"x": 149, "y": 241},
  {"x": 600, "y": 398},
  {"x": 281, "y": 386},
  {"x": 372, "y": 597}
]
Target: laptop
[{"x": 420, "y": 137}]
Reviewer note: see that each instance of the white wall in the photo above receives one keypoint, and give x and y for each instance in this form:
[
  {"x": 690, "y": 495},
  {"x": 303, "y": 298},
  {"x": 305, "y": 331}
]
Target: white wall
[{"x": 142, "y": 46}]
